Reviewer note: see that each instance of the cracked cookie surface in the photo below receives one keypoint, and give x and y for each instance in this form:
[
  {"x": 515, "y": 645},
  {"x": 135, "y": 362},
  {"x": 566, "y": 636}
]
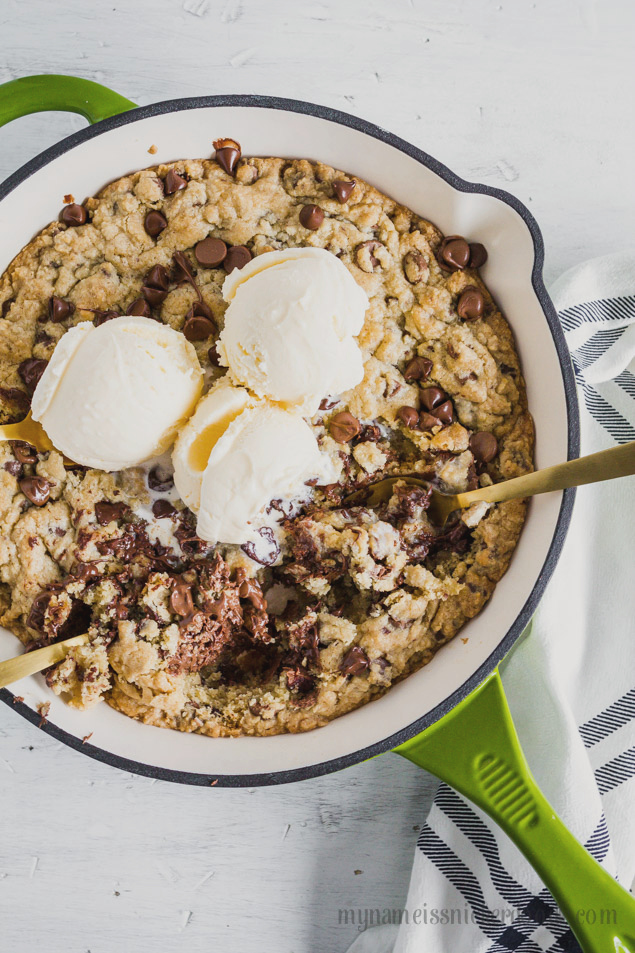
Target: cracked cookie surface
[{"x": 346, "y": 600}]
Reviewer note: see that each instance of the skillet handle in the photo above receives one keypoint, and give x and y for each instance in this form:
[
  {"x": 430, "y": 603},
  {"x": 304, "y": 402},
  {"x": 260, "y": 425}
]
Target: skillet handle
[
  {"x": 32, "y": 94},
  {"x": 475, "y": 749}
]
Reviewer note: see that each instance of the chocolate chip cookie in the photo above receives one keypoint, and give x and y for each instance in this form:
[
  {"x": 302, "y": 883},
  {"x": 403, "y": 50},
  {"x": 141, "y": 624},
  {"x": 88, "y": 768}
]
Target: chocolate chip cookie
[{"x": 346, "y": 599}]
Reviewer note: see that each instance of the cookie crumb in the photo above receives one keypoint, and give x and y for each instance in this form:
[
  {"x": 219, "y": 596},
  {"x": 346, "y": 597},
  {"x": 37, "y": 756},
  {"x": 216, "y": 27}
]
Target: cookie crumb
[
  {"x": 43, "y": 710},
  {"x": 69, "y": 199},
  {"x": 87, "y": 738},
  {"x": 153, "y": 150},
  {"x": 18, "y": 698}
]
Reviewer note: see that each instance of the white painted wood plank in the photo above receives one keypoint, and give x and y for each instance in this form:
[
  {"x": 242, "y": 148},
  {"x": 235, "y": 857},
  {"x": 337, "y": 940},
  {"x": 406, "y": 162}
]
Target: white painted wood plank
[
  {"x": 161, "y": 865},
  {"x": 528, "y": 96}
]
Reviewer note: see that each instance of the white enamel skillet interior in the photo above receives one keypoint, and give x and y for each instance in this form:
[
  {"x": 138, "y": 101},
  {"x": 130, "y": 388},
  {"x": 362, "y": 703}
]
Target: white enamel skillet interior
[{"x": 82, "y": 164}]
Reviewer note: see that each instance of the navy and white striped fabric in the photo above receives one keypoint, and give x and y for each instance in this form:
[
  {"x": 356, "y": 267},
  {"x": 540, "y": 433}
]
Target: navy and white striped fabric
[{"x": 570, "y": 684}]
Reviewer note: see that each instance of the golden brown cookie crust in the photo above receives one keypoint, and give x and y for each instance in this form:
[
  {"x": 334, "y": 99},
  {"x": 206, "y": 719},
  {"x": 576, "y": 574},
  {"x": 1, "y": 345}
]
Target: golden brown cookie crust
[{"x": 369, "y": 604}]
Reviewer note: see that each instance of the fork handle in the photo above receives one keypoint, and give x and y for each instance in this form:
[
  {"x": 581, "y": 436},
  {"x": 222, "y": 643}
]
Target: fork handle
[
  {"x": 13, "y": 669},
  {"x": 597, "y": 467}
]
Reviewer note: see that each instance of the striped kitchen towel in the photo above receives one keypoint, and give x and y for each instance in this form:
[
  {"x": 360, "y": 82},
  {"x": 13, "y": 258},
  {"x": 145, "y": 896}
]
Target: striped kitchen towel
[{"x": 570, "y": 683}]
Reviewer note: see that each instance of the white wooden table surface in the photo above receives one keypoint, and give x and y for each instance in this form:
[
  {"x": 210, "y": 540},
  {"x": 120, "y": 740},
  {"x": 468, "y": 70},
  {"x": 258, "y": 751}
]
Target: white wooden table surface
[{"x": 534, "y": 97}]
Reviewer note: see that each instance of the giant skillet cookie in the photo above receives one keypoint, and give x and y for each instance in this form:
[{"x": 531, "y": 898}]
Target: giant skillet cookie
[{"x": 346, "y": 600}]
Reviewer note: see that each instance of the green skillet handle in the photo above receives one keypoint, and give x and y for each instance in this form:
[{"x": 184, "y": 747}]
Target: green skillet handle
[
  {"x": 32, "y": 94},
  {"x": 475, "y": 749}
]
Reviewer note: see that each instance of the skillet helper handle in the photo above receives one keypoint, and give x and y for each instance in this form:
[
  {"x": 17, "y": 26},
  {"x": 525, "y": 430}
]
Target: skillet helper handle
[
  {"x": 32, "y": 94},
  {"x": 475, "y": 749}
]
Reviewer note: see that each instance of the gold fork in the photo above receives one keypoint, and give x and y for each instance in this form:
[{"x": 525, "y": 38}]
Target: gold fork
[
  {"x": 597, "y": 467},
  {"x": 31, "y": 662},
  {"x": 28, "y": 430}
]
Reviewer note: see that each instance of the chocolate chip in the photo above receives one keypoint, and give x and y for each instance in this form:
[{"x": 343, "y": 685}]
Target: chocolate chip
[
  {"x": 198, "y": 326},
  {"x": 415, "y": 267},
  {"x": 181, "y": 601},
  {"x": 139, "y": 308},
  {"x": 13, "y": 467},
  {"x": 454, "y": 253},
  {"x": 23, "y": 451},
  {"x": 409, "y": 416},
  {"x": 250, "y": 589},
  {"x": 484, "y": 446},
  {"x": 311, "y": 216},
  {"x": 31, "y": 371},
  {"x": 85, "y": 572},
  {"x": 470, "y": 304},
  {"x": 102, "y": 316},
  {"x": 210, "y": 252},
  {"x": 355, "y": 661},
  {"x": 154, "y": 223},
  {"x": 228, "y": 152},
  {"x": 478, "y": 255},
  {"x": 160, "y": 479},
  {"x": 237, "y": 257},
  {"x": 121, "y": 610},
  {"x": 106, "y": 512},
  {"x": 371, "y": 433},
  {"x": 428, "y": 421},
  {"x": 213, "y": 356},
  {"x": 418, "y": 369},
  {"x": 14, "y": 395},
  {"x": 343, "y": 189},
  {"x": 343, "y": 427},
  {"x": 154, "y": 296},
  {"x": 444, "y": 412},
  {"x": 41, "y": 337},
  {"x": 158, "y": 277},
  {"x": 174, "y": 183},
  {"x": 59, "y": 310},
  {"x": 366, "y": 258},
  {"x": 162, "y": 508},
  {"x": 37, "y": 612},
  {"x": 431, "y": 397},
  {"x": 299, "y": 682},
  {"x": 191, "y": 544},
  {"x": 36, "y": 489},
  {"x": 156, "y": 285},
  {"x": 73, "y": 215},
  {"x": 181, "y": 269}
]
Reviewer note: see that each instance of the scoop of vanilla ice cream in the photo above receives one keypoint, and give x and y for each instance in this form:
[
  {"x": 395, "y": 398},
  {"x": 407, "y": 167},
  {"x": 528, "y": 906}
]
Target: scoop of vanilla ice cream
[
  {"x": 115, "y": 395},
  {"x": 290, "y": 326},
  {"x": 235, "y": 455},
  {"x": 194, "y": 445}
]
